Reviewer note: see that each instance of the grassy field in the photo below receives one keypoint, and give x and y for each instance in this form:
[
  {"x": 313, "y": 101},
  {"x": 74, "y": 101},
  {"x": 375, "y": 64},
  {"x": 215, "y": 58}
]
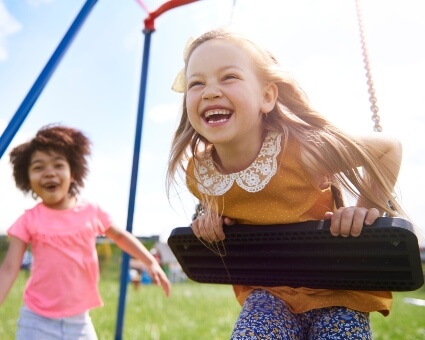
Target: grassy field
[{"x": 198, "y": 311}]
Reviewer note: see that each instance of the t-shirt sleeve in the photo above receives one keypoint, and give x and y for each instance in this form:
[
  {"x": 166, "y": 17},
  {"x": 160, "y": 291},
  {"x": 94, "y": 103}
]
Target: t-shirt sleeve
[
  {"x": 20, "y": 229},
  {"x": 105, "y": 221}
]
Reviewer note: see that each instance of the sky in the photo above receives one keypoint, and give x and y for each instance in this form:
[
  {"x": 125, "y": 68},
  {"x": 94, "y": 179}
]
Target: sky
[{"x": 96, "y": 86}]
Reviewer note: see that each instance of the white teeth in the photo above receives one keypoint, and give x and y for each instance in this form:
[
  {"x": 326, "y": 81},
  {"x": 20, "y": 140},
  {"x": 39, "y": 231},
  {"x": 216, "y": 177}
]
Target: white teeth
[{"x": 216, "y": 112}]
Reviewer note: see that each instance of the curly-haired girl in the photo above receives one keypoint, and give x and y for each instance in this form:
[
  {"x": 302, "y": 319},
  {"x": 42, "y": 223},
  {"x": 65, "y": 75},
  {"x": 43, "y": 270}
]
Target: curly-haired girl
[{"x": 62, "y": 231}]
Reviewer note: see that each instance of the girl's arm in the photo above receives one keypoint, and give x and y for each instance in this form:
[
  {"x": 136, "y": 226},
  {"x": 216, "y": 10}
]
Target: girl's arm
[
  {"x": 388, "y": 150},
  {"x": 131, "y": 245},
  {"x": 350, "y": 220},
  {"x": 11, "y": 265}
]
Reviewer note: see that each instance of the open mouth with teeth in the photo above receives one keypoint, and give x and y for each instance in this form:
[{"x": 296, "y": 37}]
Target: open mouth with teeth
[
  {"x": 217, "y": 116},
  {"x": 50, "y": 186}
]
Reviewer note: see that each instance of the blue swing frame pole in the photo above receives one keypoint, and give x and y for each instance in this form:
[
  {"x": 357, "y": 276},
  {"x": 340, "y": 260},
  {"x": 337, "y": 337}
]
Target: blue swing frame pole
[
  {"x": 133, "y": 183},
  {"x": 38, "y": 86},
  {"x": 148, "y": 30}
]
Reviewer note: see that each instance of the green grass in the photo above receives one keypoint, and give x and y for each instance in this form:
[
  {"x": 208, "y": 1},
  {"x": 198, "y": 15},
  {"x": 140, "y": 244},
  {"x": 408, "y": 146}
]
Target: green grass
[
  {"x": 198, "y": 311},
  {"x": 193, "y": 311}
]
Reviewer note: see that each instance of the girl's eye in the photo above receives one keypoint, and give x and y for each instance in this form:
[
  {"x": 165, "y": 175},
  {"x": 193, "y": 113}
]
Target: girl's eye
[
  {"x": 194, "y": 83},
  {"x": 230, "y": 76}
]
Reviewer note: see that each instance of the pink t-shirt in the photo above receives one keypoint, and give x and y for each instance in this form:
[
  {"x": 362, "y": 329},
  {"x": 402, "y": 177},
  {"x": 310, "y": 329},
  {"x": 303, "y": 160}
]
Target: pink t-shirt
[{"x": 65, "y": 270}]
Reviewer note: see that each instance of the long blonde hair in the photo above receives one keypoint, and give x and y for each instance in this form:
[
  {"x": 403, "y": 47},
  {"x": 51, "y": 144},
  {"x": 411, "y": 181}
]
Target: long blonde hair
[{"x": 294, "y": 117}]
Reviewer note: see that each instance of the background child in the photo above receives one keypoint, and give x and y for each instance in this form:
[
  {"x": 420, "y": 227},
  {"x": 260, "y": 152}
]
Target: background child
[
  {"x": 254, "y": 151},
  {"x": 62, "y": 231}
]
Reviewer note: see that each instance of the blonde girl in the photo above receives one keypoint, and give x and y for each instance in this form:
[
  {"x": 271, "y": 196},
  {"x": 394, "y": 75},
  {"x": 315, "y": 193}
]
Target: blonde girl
[{"x": 254, "y": 151}]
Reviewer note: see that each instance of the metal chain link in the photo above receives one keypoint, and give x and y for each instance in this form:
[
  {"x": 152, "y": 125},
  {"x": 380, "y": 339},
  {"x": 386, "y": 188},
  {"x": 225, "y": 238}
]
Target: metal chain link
[
  {"x": 232, "y": 13},
  {"x": 372, "y": 99}
]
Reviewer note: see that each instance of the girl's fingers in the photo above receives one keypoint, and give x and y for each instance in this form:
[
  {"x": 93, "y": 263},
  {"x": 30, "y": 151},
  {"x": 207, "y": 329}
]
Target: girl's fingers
[
  {"x": 350, "y": 220},
  {"x": 195, "y": 228},
  {"x": 371, "y": 216}
]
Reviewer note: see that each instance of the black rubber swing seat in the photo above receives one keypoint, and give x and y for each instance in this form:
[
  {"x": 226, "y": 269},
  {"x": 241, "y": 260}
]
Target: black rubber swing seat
[{"x": 385, "y": 256}]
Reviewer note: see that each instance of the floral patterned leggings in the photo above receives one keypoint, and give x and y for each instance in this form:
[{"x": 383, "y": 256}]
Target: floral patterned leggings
[{"x": 264, "y": 316}]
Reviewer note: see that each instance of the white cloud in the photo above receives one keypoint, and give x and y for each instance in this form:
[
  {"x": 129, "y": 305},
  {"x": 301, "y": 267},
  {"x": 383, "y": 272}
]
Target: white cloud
[{"x": 8, "y": 26}]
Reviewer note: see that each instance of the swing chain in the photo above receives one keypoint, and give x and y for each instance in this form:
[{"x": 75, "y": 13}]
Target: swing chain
[
  {"x": 232, "y": 13},
  {"x": 372, "y": 99}
]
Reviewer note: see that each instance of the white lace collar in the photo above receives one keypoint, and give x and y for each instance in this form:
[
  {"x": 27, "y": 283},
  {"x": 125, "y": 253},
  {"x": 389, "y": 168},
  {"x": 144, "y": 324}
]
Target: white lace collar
[{"x": 252, "y": 179}]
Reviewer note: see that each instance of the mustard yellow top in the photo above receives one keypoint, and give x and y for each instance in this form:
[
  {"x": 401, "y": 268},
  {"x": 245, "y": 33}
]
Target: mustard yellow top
[{"x": 275, "y": 189}]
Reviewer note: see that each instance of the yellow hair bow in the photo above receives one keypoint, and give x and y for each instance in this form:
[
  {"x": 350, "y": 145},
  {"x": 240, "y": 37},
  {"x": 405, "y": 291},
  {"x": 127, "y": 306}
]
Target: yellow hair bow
[{"x": 179, "y": 84}]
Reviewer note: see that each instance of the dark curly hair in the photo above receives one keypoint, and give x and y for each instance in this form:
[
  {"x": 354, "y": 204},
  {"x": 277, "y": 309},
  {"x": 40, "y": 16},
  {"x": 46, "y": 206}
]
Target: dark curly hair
[{"x": 69, "y": 142}]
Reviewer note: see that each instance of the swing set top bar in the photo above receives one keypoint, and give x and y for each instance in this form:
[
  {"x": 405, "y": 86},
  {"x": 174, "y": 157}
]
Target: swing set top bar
[{"x": 150, "y": 20}]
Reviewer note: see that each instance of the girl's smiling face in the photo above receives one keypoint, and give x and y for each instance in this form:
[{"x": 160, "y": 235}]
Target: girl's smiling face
[
  {"x": 225, "y": 97},
  {"x": 50, "y": 178}
]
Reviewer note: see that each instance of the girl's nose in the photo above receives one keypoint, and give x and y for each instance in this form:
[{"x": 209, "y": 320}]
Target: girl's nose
[
  {"x": 48, "y": 172},
  {"x": 211, "y": 92}
]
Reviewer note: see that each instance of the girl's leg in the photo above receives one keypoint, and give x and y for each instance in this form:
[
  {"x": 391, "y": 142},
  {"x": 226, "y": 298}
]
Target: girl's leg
[
  {"x": 79, "y": 327},
  {"x": 32, "y": 326},
  {"x": 264, "y": 316},
  {"x": 338, "y": 323}
]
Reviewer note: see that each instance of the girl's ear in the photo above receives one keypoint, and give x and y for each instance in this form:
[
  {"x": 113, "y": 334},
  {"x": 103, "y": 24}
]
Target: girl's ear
[{"x": 269, "y": 97}]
